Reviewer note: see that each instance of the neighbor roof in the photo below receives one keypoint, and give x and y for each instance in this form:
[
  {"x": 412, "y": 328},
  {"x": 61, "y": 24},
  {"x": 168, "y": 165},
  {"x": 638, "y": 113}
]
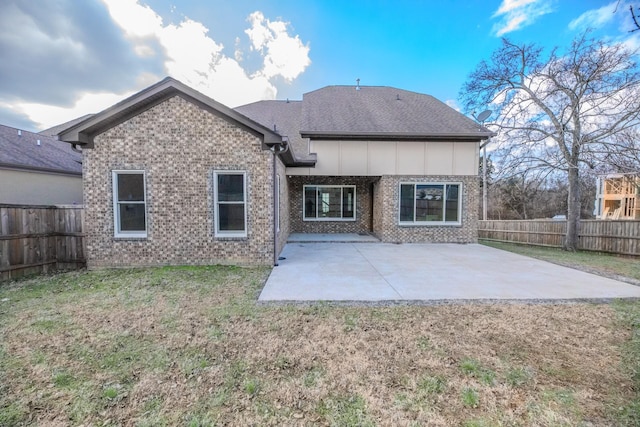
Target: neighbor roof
[{"x": 19, "y": 149}]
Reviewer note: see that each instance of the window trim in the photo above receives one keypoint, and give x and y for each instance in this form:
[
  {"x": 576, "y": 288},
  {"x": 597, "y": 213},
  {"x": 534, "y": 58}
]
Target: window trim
[
  {"x": 442, "y": 223},
  {"x": 117, "y": 232},
  {"x": 222, "y": 233},
  {"x": 341, "y": 219}
]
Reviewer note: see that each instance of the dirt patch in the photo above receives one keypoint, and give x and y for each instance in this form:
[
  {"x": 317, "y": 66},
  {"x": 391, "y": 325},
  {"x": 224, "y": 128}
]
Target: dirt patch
[{"x": 179, "y": 346}]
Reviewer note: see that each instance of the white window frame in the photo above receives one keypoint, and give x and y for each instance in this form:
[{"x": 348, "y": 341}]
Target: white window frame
[
  {"x": 225, "y": 233},
  {"x": 342, "y": 219},
  {"x": 444, "y": 205},
  {"x": 117, "y": 232}
]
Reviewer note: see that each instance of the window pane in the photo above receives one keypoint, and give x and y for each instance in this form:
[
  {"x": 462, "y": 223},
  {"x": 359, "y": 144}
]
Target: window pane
[
  {"x": 429, "y": 202},
  {"x": 330, "y": 200},
  {"x": 230, "y": 188},
  {"x": 406, "y": 202},
  {"x": 348, "y": 196},
  {"x": 130, "y": 187},
  {"x": 451, "y": 208},
  {"x": 231, "y": 217},
  {"x": 132, "y": 217},
  {"x": 310, "y": 202}
]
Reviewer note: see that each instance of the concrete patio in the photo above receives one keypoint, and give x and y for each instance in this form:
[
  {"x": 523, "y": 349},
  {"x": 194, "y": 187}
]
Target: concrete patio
[{"x": 341, "y": 271}]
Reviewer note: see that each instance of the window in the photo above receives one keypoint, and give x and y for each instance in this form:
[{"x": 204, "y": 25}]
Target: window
[
  {"x": 129, "y": 204},
  {"x": 230, "y": 200},
  {"x": 430, "y": 203},
  {"x": 329, "y": 203}
]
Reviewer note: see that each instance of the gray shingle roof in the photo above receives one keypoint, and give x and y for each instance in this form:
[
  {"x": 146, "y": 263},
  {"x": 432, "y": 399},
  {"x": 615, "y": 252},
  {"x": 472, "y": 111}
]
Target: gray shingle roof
[
  {"x": 381, "y": 110},
  {"x": 282, "y": 116},
  {"x": 23, "y": 152},
  {"x": 372, "y": 112}
]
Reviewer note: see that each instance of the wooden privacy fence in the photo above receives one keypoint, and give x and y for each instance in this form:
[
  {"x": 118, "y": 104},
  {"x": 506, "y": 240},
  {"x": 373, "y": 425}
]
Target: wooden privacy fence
[
  {"x": 39, "y": 239},
  {"x": 613, "y": 236}
]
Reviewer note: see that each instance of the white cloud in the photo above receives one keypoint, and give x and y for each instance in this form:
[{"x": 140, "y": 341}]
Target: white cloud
[
  {"x": 595, "y": 18},
  {"x": 284, "y": 55},
  {"x": 510, "y": 5},
  {"x": 47, "y": 115},
  {"x": 517, "y": 14},
  {"x": 199, "y": 61},
  {"x": 453, "y": 104},
  {"x": 190, "y": 55}
]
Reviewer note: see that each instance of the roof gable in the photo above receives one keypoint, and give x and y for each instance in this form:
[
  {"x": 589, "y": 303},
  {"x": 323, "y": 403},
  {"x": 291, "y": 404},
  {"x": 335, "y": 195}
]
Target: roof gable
[
  {"x": 84, "y": 132},
  {"x": 20, "y": 149}
]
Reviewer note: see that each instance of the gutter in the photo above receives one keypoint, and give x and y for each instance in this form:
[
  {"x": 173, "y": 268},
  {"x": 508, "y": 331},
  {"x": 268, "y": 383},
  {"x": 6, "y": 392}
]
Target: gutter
[{"x": 445, "y": 136}]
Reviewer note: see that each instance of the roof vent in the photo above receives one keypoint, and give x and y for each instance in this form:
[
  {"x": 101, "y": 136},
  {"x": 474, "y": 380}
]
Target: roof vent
[
  {"x": 398, "y": 97},
  {"x": 357, "y": 84},
  {"x": 19, "y": 132},
  {"x": 38, "y": 142}
]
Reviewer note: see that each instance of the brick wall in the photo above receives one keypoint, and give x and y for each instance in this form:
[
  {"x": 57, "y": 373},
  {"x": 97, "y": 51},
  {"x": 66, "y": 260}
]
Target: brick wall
[
  {"x": 178, "y": 145},
  {"x": 387, "y": 229},
  {"x": 362, "y": 224}
]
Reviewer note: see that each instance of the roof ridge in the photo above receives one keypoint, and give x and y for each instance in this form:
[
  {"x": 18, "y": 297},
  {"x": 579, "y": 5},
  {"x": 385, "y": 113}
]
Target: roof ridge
[{"x": 355, "y": 87}]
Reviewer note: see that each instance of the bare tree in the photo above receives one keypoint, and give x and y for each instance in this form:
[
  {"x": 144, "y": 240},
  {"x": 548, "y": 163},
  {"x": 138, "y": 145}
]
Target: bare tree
[
  {"x": 635, "y": 19},
  {"x": 558, "y": 112}
]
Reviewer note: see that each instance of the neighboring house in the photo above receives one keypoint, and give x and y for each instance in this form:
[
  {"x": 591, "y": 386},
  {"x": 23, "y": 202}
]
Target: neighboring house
[
  {"x": 618, "y": 196},
  {"x": 36, "y": 169},
  {"x": 174, "y": 177}
]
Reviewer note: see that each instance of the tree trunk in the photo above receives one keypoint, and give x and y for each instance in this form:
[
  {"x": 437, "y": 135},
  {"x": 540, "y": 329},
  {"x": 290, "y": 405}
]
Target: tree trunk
[{"x": 573, "y": 211}]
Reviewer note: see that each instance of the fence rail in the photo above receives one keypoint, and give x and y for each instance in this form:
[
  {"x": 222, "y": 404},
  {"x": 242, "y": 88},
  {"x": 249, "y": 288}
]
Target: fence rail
[
  {"x": 39, "y": 239},
  {"x": 617, "y": 237}
]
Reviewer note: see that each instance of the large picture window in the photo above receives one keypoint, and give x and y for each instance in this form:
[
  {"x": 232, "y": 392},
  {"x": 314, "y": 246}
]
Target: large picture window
[
  {"x": 230, "y": 198},
  {"x": 430, "y": 203},
  {"x": 129, "y": 204},
  {"x": 329, "y": 202}
]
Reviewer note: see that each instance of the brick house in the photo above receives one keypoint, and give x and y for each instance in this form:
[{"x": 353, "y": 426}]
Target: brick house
[{"x": 174, "y": 177}]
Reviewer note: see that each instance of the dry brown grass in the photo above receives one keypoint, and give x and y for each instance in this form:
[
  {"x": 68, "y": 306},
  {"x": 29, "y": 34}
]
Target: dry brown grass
[{"x": 189, "y": 346}]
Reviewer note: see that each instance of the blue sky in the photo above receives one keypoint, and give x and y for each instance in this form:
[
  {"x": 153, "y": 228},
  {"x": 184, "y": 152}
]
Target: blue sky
[{"x": 65, "y": 58}]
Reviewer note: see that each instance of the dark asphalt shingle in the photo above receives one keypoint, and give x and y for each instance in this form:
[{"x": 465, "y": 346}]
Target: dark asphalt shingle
[
  {"x": 380, "y": 109},
  {"x": 283, "y": 117}
]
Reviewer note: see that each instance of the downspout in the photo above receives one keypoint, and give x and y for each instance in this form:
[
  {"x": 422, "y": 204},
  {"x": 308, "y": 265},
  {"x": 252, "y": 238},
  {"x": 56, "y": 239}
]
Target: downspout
[{"x": 276, "y": 149}]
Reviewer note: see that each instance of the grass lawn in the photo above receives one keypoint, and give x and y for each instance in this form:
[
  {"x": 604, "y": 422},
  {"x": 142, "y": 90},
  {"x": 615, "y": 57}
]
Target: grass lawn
[
  {"x": 189, "y": 346},
  {"x": 618, "y": 267}
]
